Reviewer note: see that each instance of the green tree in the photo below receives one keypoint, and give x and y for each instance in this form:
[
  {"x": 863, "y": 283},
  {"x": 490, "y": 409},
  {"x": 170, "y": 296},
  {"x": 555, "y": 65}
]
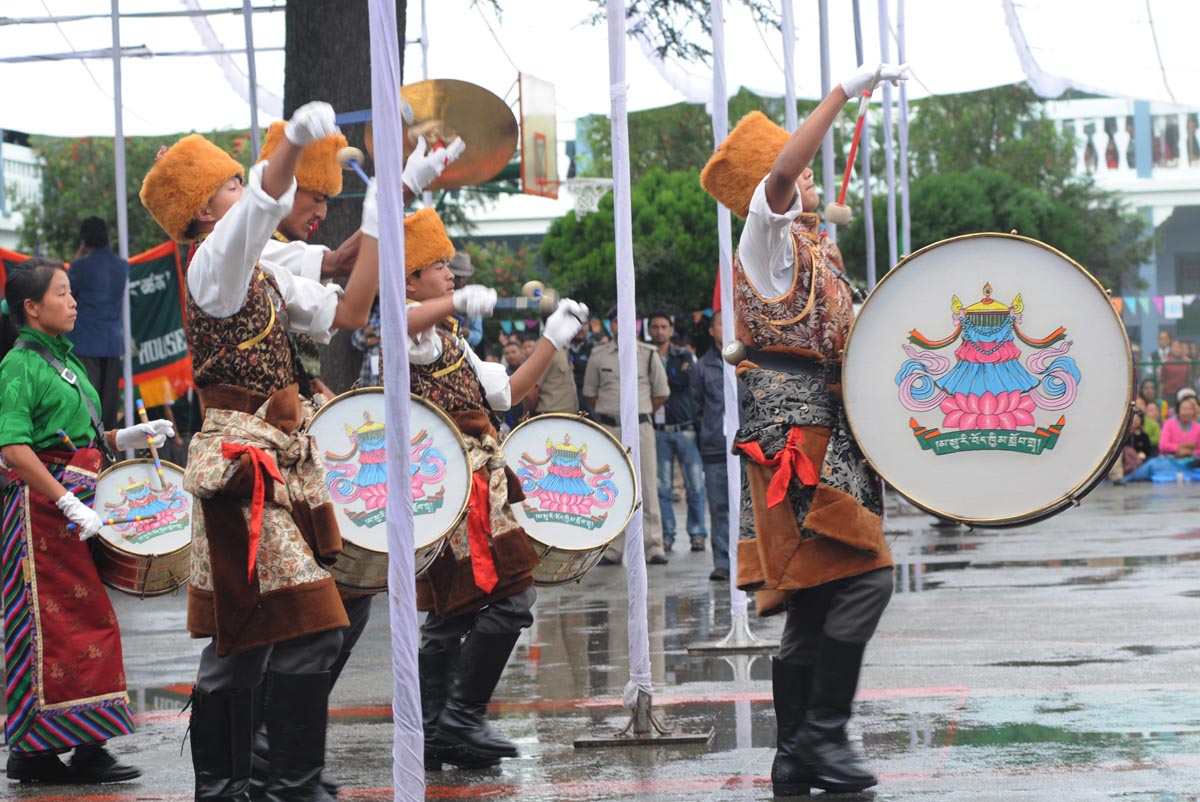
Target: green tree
[
  {"x": 992, "y": 161},
  {"x": 79, "y": 180},
  {"x": 674, "y": 246},
  {"x": 678, "y": 137},
  {"x": 1003, "y": 128}
]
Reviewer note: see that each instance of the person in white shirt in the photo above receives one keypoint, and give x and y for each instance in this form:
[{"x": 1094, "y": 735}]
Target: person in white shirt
[
  {"x": 319, "y": 178},
  {"x": 812, "y": 543},
  {"x": 479, "y": 591},
  {"x": 263, "y": 530}
]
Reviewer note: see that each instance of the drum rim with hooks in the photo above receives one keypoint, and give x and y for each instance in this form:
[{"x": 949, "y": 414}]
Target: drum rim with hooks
[
  {"x": 439, "y": 412},
  {"x": 143, "y": 461},
  {"x": 637, "y": 501},
  {"x": 1091, "y": 480}
]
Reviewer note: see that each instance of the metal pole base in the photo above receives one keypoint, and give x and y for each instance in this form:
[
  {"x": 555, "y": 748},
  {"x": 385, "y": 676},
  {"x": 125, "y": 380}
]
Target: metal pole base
[
  {"x": 644, "y": 729},
  {"x": 740, "y": 640}
]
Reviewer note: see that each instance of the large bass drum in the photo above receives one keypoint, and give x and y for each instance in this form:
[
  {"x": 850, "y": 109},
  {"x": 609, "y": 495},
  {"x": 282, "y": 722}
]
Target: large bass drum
[
  {"x": 580, "y": 491},
  {"x": 350, "y": 436},
  {"x": 988, "y": 379},
  {"x": 152, "y": 555}
]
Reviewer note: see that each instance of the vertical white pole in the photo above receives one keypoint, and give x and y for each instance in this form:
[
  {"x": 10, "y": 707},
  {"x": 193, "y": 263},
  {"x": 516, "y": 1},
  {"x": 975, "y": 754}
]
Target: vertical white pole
[
  {"x": 252, "y": 76},
  {"x": 122, "y": 211},
  {"x": 902, "y": 57},
  {"x": 864, "y": 148},
  {"x": 424, "y": 44},
  {"x": 635, "y": 559},
  {"x": 788, "y": 26},
  {"x": 720, "y": 121},
  {"x": 408, "y": 752},
  {"x": 828, "y": 177},
  {"x": 889, "y": 147}
]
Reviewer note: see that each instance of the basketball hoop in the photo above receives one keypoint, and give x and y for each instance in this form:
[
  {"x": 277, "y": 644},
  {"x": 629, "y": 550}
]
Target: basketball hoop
[{"x": 587, "y": 193}]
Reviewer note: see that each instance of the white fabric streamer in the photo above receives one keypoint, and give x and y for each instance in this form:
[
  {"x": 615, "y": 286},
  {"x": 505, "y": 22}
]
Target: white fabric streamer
[
  {"x": 720, "y": 122},
  {"x": 635, "y": 555},
  {"x": 268, "y": 102},
  {"x": 408, "y": 746}
]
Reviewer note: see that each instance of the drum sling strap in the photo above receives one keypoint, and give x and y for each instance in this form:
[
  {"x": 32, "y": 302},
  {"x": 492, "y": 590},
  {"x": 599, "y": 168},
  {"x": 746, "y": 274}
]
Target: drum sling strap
[{"x": 68, "y": 375}]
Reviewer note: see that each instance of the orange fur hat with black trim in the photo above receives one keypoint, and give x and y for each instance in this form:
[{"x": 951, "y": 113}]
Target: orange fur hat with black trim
[
  {"x": 742, "y": 161},
  {"x": 425, "y": 240},
  {"x": 319, "y": 170},
  {"x": 183, "y": 178}
]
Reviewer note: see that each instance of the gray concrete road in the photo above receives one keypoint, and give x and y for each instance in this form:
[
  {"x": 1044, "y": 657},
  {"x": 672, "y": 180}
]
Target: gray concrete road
[{"x": 1056, "y": 662}]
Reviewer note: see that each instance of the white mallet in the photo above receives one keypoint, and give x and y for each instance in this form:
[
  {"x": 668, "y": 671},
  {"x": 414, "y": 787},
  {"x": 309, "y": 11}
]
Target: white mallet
[
  {"x": 351, "y": 158},
  {"x": 839, "y": 213}
]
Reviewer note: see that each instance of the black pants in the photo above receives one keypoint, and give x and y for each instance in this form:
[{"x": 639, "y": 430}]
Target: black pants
[
  {"x": 306, "y": 654},
  {"x": 507, "y": 616},
  {"x": 104, "y": 372},
  {"x": 846, "y": 609}
]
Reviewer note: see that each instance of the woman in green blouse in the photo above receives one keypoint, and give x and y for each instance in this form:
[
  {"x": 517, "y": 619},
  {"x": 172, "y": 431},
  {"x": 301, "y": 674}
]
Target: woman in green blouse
[{"x": 64, "y": 672}]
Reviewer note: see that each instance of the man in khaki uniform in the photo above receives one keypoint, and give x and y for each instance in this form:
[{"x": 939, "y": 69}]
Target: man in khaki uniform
[
  {"x": 556, "y": 391},
  {"x": 602, "y": 391}
]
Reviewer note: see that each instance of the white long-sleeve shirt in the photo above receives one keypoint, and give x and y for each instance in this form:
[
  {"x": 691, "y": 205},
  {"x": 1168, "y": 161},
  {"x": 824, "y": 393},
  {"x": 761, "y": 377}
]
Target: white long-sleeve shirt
[
  {"x": 426, "y": 346},
  {"x": 298, "y": 258},
  {"x": 219, "y": 274},
  {"x": 766, "y": 250}
]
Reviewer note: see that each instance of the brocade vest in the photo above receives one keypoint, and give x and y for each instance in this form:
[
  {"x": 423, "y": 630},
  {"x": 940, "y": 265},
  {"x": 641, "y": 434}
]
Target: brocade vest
[
  {"x": 449, "y": 381},
  {"x": 248, "y": 349},
  {"x": 816, "y": 311}
]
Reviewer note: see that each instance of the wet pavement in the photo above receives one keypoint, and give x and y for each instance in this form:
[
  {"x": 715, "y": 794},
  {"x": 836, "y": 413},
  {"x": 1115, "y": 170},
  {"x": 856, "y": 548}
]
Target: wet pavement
[{"x": 1053, "y": 662}]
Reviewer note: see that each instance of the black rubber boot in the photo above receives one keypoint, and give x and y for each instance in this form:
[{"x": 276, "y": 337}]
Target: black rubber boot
[
  {"x": 791, "y": 773},
  {"x": 221, "y": 729},
  {"x": 296, "y": 711},
  {"x": 260, "y": 759},
  {"x": 837, "y": 766},
  {"x": 437, "y": 671},
  {"x": 464, "y": 718}
]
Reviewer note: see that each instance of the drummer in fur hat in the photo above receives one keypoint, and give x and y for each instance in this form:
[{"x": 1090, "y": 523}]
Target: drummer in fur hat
[
  {"x": 259, "y": 588},
  {"x": 319, "y": 178},
  {"x": 479, "y": 592},
  {"x": 814, "y": 546}
]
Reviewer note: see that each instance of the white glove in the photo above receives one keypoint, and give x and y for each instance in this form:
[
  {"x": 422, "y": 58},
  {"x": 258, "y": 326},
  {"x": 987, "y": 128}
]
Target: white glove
[
  {"x": 869, "y": 77},
  {"x": 135, "y": 436},
  {"x": 80, "y": 514},
  {"x": 475, "y": 300},
  {"x": 564, "y": 323},
  {"x": 424, "y": 166},
  {"x": 370, "y": 215},
  {"x": 310, "y": 122}
]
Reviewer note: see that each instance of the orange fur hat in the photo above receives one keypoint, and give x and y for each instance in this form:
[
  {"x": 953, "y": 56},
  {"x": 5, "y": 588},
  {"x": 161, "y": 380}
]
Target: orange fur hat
[
  {"x": 742, "y": 161},
  {"x": 183, "y": 178},
  {"x": 319, "y": 170},
  {"x": 425, "y": 240}
]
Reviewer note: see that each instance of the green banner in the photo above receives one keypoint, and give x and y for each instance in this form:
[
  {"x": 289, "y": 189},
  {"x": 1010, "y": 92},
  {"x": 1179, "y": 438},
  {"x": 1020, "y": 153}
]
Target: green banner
[{"x": 156, "y": 311}]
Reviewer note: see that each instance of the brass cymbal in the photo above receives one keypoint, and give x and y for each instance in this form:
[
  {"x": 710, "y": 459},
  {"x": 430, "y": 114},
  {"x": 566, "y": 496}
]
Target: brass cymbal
[{"x": 446, "y": 108}]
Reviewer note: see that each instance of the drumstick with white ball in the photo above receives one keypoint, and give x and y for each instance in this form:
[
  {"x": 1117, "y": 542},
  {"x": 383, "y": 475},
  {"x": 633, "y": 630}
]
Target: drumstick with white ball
[
  {"x": 119, "y": 519},
  {"x": 162, "y": 480},
  {"x": 351, "y": 158},
  {"x": 839, "y": 213}
]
